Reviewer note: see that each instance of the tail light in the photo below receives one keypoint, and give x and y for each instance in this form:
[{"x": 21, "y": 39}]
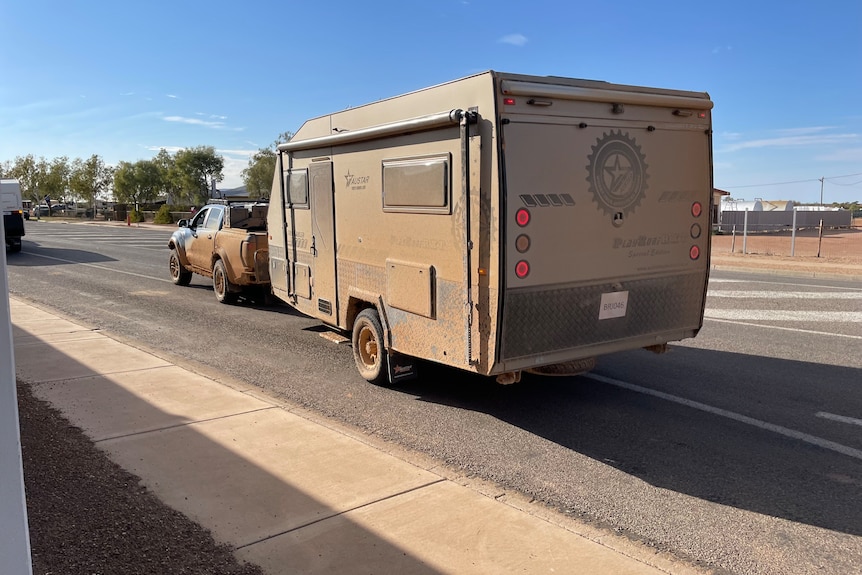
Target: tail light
[{"x": 522, "y": 242}]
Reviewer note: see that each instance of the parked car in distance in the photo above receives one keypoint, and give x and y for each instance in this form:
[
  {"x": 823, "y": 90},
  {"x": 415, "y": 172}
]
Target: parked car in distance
[{"x": 42, "y": 210}]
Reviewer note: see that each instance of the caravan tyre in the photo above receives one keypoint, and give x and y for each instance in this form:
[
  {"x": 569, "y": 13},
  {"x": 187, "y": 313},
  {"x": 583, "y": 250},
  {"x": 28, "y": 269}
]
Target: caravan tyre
[{"x": 368, "y": 348}]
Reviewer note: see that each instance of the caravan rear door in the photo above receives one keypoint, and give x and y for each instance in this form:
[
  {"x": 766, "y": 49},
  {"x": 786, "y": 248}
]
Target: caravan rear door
[{"x": 606, "y": 222}]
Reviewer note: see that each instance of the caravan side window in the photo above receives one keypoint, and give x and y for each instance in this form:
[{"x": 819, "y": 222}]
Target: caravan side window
[
  {"x": 297, "y": 188},
  {"x": 417, "y": 184}
]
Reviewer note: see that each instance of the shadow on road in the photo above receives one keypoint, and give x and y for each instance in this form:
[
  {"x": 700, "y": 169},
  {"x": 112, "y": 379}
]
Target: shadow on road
[
  {"x": 31, "y": 255},
  {"x": 681, "y": 448}
]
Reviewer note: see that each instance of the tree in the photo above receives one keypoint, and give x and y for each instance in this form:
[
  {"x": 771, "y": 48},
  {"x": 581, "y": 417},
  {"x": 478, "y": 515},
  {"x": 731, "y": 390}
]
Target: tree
[
  {"x": 26, "y": 170},
  {"x": 90, "y": 179},
  {"x": 54, "y": 178},
  {"x": 198, "y": 171},
  {"x": 137, "y": 183},
  {"x": 170, "y": 177},
  {"x": 258, "y": 176}
]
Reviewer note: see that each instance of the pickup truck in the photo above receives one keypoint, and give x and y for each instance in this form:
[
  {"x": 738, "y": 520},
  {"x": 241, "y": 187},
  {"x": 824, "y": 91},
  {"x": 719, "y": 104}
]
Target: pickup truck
[{"x": 227, "y": 243}]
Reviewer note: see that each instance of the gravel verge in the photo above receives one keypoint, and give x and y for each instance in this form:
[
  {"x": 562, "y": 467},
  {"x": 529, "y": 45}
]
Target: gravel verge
[{"x": 89, "y": 516}]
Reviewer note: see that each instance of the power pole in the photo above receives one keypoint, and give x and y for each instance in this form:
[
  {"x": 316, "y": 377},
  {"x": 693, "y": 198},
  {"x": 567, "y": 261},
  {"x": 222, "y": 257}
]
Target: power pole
[{"x": 821, "y": 191}]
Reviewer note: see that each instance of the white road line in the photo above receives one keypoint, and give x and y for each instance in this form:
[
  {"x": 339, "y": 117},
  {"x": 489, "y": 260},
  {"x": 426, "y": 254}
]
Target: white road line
[
  {"x": 785, "y": 431},
  {"x": 841, "y": 418},
  {"x": 112, "y": 270},
  {"x": 754, "y": 294},
  {"x": 782, "y": 315},
  {"x": 785, "y": 284},
  {"x": 782, "y": 328}
]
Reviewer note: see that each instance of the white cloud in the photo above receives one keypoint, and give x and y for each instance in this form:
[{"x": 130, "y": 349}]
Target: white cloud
[
  {"x": 194, "y": 121},
  {"x": 172, "y": 96},
  {"x": 514, "y": 39},
  {"x": 793, "y": 141},
  {"x": 843, "y": 155},
  {"x": 245, "y": 153},
  {"x": 805, "y": 131},
  {"x": 233, "y": 167}
]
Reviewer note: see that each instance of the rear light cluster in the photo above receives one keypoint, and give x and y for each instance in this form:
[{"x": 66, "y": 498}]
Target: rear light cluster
[
  {"x": 696, "y": 211},
  {"x": 522, "y": 243}
]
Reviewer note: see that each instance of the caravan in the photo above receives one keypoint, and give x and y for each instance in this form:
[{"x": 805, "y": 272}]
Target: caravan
[{"x": 499, "y": 223}]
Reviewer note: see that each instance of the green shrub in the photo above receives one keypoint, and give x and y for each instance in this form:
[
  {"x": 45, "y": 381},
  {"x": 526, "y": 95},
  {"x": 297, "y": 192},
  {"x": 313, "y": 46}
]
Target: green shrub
[
  {"x": 163, "y": 216},
  {"x": 136, "y": 216}
]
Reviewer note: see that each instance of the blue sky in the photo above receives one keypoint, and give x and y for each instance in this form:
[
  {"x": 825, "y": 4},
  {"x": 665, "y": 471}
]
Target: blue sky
[{"x": 123, "y": 79}]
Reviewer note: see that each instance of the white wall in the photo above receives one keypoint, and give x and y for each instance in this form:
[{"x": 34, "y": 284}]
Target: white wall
[{"x": 15, "y": 539}]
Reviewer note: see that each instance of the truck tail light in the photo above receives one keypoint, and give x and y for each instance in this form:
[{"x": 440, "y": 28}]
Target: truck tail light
[
  {"x": 246, "y": 252},
  {"x": 522, "y": 216},
  {"x": 522, "y": 269}
]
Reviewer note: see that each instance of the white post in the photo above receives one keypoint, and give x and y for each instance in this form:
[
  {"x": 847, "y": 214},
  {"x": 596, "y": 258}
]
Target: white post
[
  {"x": 793, "y": 235},
  {"x": 745, "y": 233},
  {"x": 15, "y": 542}
]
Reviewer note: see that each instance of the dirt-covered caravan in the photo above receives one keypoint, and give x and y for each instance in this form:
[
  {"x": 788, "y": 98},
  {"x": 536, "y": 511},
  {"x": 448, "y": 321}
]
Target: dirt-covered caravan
[{"x": 499, "y": 223}]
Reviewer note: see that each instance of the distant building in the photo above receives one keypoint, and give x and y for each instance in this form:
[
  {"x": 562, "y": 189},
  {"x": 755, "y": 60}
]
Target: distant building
[
  {"x": 234, "y": 194},
  {"x": 717, "y": 196}
]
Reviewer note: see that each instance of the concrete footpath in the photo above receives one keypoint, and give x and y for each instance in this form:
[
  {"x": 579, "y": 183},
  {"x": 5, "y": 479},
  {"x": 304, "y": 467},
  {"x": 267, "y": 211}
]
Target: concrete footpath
[{"x": 292, "y": 491}]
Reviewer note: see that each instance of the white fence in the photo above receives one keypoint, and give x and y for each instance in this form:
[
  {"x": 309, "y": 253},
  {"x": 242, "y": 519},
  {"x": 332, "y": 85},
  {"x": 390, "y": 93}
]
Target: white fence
[{"x": 757, "y": 221}]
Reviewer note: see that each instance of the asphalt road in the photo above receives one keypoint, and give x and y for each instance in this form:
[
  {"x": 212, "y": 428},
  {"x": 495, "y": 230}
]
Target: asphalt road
[{"x": 740, "y": 449}]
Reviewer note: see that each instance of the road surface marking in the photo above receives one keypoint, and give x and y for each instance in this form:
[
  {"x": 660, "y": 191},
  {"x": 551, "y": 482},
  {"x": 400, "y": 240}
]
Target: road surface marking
[
  {"x": 785, "y": 294},
  {"x": 785, "y": 431},
  {"x": 841, "y": 418},
  {"x": 779, "y": 327},
  {"x": 785, "y": 284},
  {"x": 781, "y": 315},
  {"x": 112, "y": 270}
]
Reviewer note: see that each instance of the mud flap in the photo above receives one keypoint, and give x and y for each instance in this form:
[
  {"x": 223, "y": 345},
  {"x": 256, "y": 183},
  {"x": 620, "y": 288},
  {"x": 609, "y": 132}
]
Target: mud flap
[{"x": 400, "y": 367}]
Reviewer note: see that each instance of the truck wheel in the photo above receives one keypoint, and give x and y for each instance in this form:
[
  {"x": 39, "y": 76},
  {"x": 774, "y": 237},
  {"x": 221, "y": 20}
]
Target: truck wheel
[
  {"x": 179, "y": 275},
  {"x": 224, "y": 290},
  {"x": 368, "y": 348},
  {"x": 15, "y": 246}
]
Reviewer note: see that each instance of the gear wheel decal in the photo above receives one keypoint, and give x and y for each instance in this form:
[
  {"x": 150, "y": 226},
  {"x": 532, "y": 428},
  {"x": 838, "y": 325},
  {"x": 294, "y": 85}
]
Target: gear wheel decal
[{"x": 617, "y": 173}]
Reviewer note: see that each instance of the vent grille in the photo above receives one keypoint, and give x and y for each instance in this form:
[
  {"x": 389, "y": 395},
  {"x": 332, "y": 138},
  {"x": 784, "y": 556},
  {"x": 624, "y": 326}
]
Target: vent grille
[{"x": 325, "y": 306}]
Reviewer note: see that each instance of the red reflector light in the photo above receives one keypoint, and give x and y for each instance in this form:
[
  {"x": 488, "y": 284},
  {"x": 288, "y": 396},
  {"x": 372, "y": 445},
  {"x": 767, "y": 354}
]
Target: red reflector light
[
  {"x": 522, "y": 216},
  {"x": 701, "y": 115},
  {"x": 508, "y": 101},
  {"x": 522, "y": 269},
  {"x": 696, "y": 209},
  {"x": 694, "y": 252}
]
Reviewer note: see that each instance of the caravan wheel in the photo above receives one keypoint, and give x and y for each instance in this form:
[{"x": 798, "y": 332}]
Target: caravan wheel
[{"x": 368, "y": 348}]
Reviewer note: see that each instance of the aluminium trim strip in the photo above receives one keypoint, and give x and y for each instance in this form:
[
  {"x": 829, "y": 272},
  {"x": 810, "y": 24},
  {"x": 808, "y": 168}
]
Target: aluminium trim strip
[
  {"x": 515, "y": 88},
  {"x": 420, "y": 123}
]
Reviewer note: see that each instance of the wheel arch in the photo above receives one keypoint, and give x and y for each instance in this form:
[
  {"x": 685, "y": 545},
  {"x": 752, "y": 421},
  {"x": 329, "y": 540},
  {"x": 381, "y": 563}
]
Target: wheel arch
[
  {"x": 177, "y": 243},
  {"x": 356, "y": 304}
]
